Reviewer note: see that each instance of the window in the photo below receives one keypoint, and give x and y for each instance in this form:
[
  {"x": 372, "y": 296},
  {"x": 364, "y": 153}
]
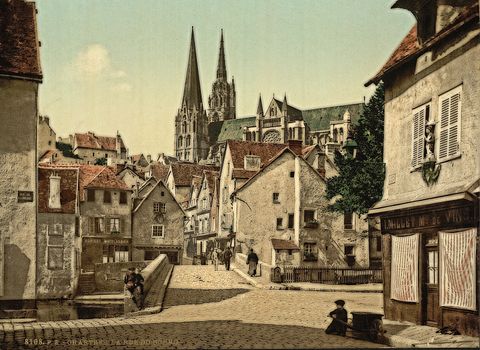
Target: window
[
  {"x": 114, "y": 225},
  {"x": 347, "y": 221},
  {"x": 432, "y": 267},
  {"x": 279, "y": 223},
  {"x": 93, "y": 154},
  {"x": 106, "y": 155},
  {"x": 158, "y": 231},
  {"x": 121, "y": 253},
  {"x": 55, "y": 247},
  {"x": 123, "y": 198},
  {"x": 159, "y": 207},
  {"x": 348, "y": 249},
  {"x": 107, "y": 197},
  {"x": 291, "y": 220},
  {"x": 90, "y": 195},
  {"x": 204, "y": 203},
  {"x": 77, "y": 226},
  {"x": 162, "y": 193},
  {"x": 112, "y": 253},
  {"x": 420, "y": 115},
  {"x": 379, "y": 243},
  {"x": 308, "y": 216},
  {"x": 180, "y": 141},
  {"x": 151, "y": 254},
  {"x": 275, "y": 197},
  {"x": 99, "y": 225},
  {"x": 310, "y": 251},
  {"x": 449, "y": 128},
  {"x": 292, "y": 174}
]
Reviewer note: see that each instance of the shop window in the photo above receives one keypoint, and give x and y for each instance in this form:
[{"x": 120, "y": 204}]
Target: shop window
[
  {"x": 112, "y": 253},
  {"x": 158, "y": 231},
  {"x": 348, "y": 221},
  {"x": 107, "y": 197},
  {"x": 291, "y": 220},
  {"x": 121, "y": 253},
  {"x": 123, "y": 198},
  {"x": 90, "y": 195},
  {"x": 275, "y": 197}
]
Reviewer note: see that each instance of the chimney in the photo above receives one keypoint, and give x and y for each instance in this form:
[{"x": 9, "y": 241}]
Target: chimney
[
  {"x": 54, "y": 194},
  {"x": 251, "y": 162},
  {"x": 296, "y": 146},
  {"x": 149, "y": 158}
]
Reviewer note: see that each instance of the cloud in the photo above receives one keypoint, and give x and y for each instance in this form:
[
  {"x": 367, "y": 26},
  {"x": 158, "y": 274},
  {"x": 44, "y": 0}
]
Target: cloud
[
  {"x": 122, "y": 87},
  {"x": 93, "y": 61}
]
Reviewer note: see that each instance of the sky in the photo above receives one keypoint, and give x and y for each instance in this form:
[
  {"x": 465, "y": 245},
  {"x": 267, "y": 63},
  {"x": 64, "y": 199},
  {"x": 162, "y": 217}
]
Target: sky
[{"x": 119, "y": 65}]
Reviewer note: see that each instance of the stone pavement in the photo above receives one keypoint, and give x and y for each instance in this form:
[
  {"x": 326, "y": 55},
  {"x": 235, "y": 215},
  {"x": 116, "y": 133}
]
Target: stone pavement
[{"x": 206, "y": 310}]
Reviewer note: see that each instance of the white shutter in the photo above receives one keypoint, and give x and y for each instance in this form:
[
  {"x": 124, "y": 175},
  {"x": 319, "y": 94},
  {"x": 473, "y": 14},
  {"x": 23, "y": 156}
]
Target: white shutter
[
  {"x": 418, "y": 136},
  {"x": 450, "y": 116}
]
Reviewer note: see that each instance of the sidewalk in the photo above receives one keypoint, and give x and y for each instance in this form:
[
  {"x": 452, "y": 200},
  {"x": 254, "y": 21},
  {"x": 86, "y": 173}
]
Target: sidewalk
[{"x": 407, "y": 335}]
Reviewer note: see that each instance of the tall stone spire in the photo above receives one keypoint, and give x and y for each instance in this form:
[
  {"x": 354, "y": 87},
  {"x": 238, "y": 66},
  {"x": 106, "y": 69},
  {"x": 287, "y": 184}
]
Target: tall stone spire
[
  {"x": 192, "y": 94},
  {"x": 221, "y": 68},
  {"x": 260, "y": 107}
]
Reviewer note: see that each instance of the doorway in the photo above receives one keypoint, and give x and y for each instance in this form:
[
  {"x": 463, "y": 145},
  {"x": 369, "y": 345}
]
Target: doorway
[{"x": 431, "y": 286}]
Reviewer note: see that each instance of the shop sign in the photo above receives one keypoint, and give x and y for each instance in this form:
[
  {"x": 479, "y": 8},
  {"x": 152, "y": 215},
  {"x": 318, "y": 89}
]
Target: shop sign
[
  {"x": 435, "y": 218},
  {"x": 24, "y": 196}
]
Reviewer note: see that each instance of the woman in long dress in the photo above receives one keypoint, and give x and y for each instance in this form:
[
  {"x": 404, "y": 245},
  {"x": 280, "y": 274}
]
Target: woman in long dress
[{"x": 252, "y": 261}]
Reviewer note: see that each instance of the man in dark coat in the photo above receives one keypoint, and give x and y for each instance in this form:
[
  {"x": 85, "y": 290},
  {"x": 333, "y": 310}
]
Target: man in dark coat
[
  {"x": 227, "y": 255},
  {"x": 252, "y": 261},
  {"x": 339, "y": 314},
  {"x": 129, "y": 280},
  {"x": 139, "y": 286}
]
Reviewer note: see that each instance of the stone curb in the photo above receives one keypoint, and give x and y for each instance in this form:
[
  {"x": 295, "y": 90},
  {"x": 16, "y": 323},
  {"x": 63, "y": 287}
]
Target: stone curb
[{"x": 255, "y": 283}]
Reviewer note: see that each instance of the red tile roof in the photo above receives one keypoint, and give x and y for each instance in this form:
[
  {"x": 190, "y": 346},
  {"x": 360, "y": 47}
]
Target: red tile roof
[
  {"x": 68, "y": 188},
  {"x": 19, "y": 48},
  {"x": 210, "y": 177},
  {"x": 96, "y": 176},
  {"x": 184, "y": 172},
  {"x": 92, "y": 141},
  {"x": 284, "y": 244},
  {"x": 410, "y": 46},
  {"x": 159, "y": 171},
  {"x": 243, "y": 174},
  {"x": 240, "y": 149}
]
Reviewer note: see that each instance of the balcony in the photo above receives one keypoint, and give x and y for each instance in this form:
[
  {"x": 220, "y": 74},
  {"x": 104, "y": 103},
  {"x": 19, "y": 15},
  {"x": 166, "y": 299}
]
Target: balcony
[{"x": 311, "y": 224}]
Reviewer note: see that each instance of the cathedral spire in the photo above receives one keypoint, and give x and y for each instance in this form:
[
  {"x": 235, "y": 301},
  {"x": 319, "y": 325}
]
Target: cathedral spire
[
  {"x": 192, "y": 94},
  {"x": 221, "y": 69},
  {"x": 260, "y": 107},
  {"x": 285, "y": 105}
]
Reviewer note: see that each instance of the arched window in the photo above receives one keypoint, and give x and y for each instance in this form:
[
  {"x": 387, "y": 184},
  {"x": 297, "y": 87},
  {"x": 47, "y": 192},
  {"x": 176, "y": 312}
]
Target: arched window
[
  {"x": 248, "y": 136},
  {"x": 341, "y": 134},
  {"x": 187, "y": 141},
  {"x": 272, "y": 112},
  {"x": 184, "y": 127},
  {"x": 180, "y": 141},
  {"x": 194, "y": 125},
  {"x": 335, "y": 136}
]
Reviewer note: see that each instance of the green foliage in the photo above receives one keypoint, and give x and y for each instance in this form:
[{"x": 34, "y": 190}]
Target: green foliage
[
  {"x": 66, "y": 150},
  {"x": 360, "y": 181},
  {"x": 101, "y": 161}
]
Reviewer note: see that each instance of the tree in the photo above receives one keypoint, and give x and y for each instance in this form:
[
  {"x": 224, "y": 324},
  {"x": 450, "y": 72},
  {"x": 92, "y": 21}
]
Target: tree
[
  {"x": 359, "y": 184},
  {"x": 101, "y": 161}
]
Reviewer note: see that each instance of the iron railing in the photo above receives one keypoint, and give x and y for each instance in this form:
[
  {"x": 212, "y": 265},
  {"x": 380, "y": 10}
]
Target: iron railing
[{"x": 329, "y": 275}]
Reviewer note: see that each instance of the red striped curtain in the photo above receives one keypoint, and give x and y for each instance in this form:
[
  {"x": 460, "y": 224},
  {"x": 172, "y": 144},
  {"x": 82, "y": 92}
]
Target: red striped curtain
[
  {"x": 458, "y": 269},
  {"x": 404, "y": 271}
]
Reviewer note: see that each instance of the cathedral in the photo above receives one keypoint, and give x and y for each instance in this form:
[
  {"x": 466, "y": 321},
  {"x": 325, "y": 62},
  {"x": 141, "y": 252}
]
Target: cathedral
[{"x": 200, "y": 133}]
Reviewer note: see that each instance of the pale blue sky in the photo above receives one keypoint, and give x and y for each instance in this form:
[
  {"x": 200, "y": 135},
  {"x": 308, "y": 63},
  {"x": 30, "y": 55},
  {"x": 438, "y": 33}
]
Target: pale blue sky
[{"x": 120, "y": 65}]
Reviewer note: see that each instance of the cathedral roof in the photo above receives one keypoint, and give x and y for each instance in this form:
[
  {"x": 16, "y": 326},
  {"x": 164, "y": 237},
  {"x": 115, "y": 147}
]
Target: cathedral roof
[
  {"x": 229, "y": 129},
  {"x": 320, "y": 118},
  {"x": 19, "y": 46},
  {"x": 192, "y": 93}
]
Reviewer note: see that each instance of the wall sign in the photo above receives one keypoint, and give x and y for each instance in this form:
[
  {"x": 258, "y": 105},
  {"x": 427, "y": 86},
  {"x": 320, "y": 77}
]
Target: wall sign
[
  {"x": 435, "y": 218},
  {"x": 25, "y": 196}
]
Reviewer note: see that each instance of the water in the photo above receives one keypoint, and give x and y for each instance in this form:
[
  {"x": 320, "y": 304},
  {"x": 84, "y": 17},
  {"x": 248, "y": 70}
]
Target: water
[{"x": 63, "y": 310}]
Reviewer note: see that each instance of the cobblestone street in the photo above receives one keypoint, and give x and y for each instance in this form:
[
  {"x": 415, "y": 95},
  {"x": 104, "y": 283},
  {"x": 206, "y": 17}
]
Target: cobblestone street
[{"x": 206, "y": 309}]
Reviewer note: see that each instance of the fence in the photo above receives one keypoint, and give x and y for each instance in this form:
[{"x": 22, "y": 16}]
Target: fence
[{"x": 328, "y": 275}]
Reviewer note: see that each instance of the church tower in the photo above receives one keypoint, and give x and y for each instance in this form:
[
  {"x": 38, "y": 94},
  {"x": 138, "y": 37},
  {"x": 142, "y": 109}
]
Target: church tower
[
  {"x": 221, "y": 102},
  {"x": 191, "y": 134}
]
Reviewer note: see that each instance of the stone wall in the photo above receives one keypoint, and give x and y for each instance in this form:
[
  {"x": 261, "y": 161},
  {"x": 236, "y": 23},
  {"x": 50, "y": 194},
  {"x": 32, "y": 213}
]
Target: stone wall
[
  {"x": 57, "y": 268},
  {"x": 18, "y": 120},
  {"x": 46, "y": 137}
]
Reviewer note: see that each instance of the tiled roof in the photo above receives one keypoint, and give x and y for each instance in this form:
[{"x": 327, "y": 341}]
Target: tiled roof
[
  {"x": 284, "y": 244},
  {"x": 68, "y": 188},
  {"x": 292, "y": 112},
  {"x": 159, "y": 171},
  {"x": 95, "y": 176},
  {"x": 409, "y": 46},
  {"x": 210, "y": 177},
  {"x": 243, "y": 174},
  {"x": 320, "y": 118},
  {"x": 92, "y": 141},
  {"x": 184, "y": 172},
  {"x": 266, "y": 151},
  {"x": 229, "y": 129},
  {"x": 19, "y": 48}
]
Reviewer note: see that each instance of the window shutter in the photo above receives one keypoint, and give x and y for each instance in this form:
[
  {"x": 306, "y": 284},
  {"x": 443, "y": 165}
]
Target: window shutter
[
  {"x": 450, "y": 115},
  {"x": 121, "y": 224},
  {"x": 91, "y": 225},
  {"x": 418, "y": 136},
  {"x": 107, "y": 225}
]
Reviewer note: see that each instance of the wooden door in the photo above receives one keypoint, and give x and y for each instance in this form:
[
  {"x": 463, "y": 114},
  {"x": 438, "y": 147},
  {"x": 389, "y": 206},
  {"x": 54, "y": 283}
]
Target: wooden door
[{"x": 431, "y": 287}]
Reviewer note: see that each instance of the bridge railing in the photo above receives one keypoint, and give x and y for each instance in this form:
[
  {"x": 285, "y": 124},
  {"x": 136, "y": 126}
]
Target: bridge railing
[{"x": 327, "y": 275}]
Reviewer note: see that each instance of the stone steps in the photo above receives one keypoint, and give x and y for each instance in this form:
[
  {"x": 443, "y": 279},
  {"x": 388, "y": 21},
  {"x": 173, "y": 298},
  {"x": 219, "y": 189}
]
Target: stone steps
[{"x": 86, "y": 284}]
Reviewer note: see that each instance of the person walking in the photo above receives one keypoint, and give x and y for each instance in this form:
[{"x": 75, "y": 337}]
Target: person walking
[
  {"x": 227, "y": 255},
  {"x": 215, "y": 258},
  {"x": 252, "y": 261},
  {"x": 339, "y": 315}
]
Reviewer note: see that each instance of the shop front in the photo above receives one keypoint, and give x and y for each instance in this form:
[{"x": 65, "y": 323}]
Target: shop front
[
  {"x": 97, "y": 250},
  {"x": 430, "y": 262}
]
